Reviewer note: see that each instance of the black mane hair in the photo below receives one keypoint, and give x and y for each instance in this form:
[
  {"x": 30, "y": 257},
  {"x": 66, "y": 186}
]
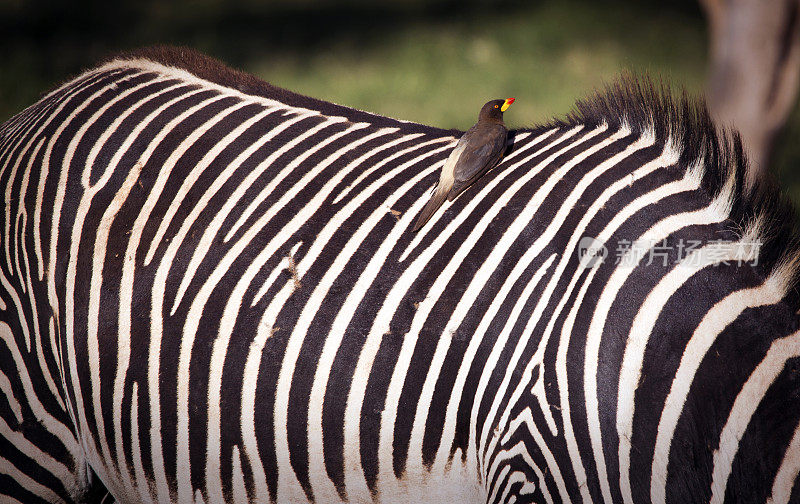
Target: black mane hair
[
  {"x": 644, "y": 105},
  {"x": 637, "y": 102}
]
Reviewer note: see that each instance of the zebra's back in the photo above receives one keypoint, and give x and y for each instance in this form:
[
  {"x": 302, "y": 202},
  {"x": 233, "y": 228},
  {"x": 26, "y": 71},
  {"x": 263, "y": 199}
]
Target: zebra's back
[{"x": 210, "y": 292}]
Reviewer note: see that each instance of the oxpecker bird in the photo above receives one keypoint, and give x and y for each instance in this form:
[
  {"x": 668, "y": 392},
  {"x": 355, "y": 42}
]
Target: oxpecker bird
[{"x": 477, "y": 151}]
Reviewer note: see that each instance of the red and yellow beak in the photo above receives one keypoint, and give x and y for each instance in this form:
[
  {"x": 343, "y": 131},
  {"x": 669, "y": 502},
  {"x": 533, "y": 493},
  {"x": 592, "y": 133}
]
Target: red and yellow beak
[{"x": 507, "y": 104}]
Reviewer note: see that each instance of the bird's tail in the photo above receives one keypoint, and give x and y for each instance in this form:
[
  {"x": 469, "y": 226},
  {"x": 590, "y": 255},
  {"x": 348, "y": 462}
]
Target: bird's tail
[{"x": 438, "y": 198}]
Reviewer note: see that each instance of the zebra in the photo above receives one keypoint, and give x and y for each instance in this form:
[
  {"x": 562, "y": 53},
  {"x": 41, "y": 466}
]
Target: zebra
[{"x": 209, "y": 292}]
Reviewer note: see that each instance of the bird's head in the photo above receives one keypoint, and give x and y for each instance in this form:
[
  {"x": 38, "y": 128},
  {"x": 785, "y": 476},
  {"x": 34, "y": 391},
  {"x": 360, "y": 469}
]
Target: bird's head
[{"x": 494, "y": 109}]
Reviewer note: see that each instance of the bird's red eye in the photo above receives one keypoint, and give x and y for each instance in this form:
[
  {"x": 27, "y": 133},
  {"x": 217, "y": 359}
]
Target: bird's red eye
[{"x": 496, "y": 106}]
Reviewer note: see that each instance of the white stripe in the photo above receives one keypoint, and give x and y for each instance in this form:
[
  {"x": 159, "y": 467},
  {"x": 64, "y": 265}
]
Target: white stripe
[
  {"x": 38, "y": 336},
  {"x": 26, "y": 127},
  {"x": 667, "y": 158},
  {"x": 468, "y": 298},
  {"x": 280, "y": 268},
  {"x": 93, "y": 325},
  {"x": 539, "y": 474},
  {"x": 535, "y": 248},
  {"x": 296, "y": 160},
  {"x": 501, "y": 175},
  {"x": 559, "y": 219},
  {"x": 11, "y": 500},
  {"x": 8, "y": 392},
  {"x": 69, "y": 369},
  {"x": 43, "y": 177},
  {"x": 239, "y": 489},
  {"x": 42, "y": 459},
  {"x": 204, "y": 292},
  {"x": 101, "y": 463},
  {"x": 744, "y": 407},
  {"x": 500, "y": 479},
  {"x": 136, "y": 450},
  {"x": 126, "y": 290},
  {"x": 101, "y": 459},
  {"x": 448, "y": 432},
  {"x": 32, "y": 136},
  {"x": 190, "y": 329},
  {"x": 787, "y": 473},
  {"x": 157, "y": 296},
  {"x": 213, "y": 470},
  {"x": 355, "y": 482},
  {"x": 20, "y": 217},
  {"x": 395, "y": 296},
  {"x": 60, "y": 431},
  {"x": 22, "y": 212},
  {"x": 208, "y": 158},
  {"x": 645, "y": 141},
  {"x": 86, "y": 78},
  {"x": 525, "y": 418},
  {"x": 414, "y": 459},
  {"x": 295, "y": 341},
  {"x": 323, "y": 490},
  {"x": 688, "y": 183},
  {"x": 362, "y": 369},
  {"x": 28, "y": 483},
  {"x": 8, "y": 240},
  {"x": 325, "y": 235},
  {"x": 266, "y": 327},
  {"x": 488, "y": 368},
  {"x": 98, "y": 262},
  {"x": 372, "y": 169},
  {"x": 186, "y": 76},
  {"x": 231, "y": 203},
  {"x": 101, "y": 140},
  {"x": 20, "y": 311},
  {"x": 126, "y": 286},
  {"x": 527, "y": 488},
  {"x": 637, "y": 339}
]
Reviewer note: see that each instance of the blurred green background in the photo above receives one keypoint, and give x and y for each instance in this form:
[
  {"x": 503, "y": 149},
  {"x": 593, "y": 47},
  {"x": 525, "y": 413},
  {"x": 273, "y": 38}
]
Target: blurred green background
[{"x": 434, "y": 61}]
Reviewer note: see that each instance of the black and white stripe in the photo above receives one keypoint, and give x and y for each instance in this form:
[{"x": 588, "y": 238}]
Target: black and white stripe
[{"x": 210, "y": 292}]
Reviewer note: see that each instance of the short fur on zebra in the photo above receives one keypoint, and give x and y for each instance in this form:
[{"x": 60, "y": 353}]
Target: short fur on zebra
[{"x": 209, "y": 292}]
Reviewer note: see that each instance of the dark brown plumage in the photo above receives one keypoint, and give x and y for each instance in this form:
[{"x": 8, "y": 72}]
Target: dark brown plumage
[{"x": 477, "y": 151}]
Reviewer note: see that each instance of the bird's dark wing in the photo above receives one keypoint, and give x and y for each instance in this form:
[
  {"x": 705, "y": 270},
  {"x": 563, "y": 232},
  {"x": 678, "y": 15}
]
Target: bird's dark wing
[
  {"x": 483, "y": 151},
  {"x": 433, "y": 204}
]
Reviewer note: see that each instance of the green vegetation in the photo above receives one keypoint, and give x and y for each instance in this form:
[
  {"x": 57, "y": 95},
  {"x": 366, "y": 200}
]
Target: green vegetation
[
  {"x": 547, "y": 55},
  {"x": 435, "y": 65},
  {"x": 432, "y": 62}
]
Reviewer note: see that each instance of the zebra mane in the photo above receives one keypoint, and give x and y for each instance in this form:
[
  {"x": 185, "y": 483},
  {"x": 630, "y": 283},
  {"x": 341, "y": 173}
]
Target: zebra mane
[
  {"x": 638, "y": 103},
  {"x": 685, "y": 122}
]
